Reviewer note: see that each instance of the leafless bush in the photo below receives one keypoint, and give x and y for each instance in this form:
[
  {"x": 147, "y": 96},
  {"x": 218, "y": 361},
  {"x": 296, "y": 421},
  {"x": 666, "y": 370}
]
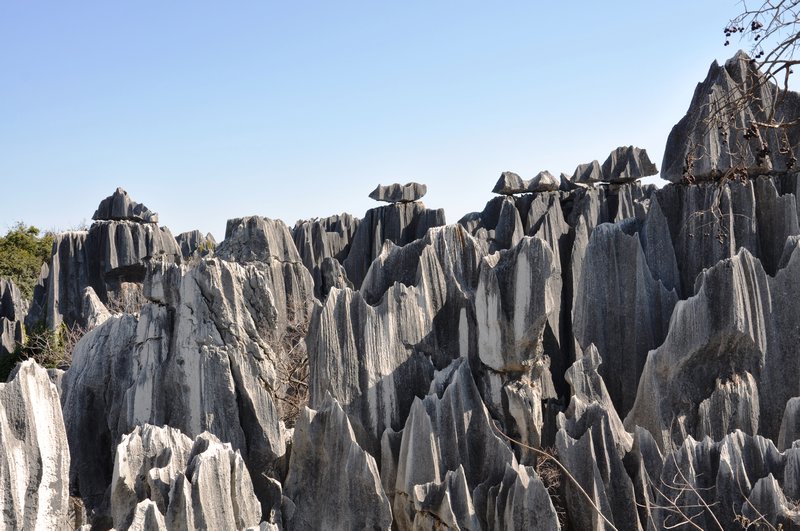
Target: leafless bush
[
  {"x": 551, "y": 476},
  {"x": 292, "y": 369}
]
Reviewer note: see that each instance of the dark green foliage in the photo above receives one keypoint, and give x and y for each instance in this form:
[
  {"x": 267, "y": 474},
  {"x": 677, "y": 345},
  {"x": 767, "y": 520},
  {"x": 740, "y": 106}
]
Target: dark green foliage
[{"x": 23, "y": 250}]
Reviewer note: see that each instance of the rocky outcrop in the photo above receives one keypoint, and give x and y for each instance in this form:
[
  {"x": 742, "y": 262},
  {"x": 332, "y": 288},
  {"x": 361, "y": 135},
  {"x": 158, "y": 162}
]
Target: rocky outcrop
[
  {"x": 12, "y": 315},
  {"x": 119, "y": 206},
  {"x": 436, "y": 439},
  {"x": 626, "y": 164},
  {"x": 719, "y": 132},
  {"x": 620, "y": 307},
  {"x": 399, "y": 193},
  {"x": 112, "y": 253},
  {"x": 724, "y": 357},
  {"x": 268, "y": 246},
  {"x": 163, "y": 480},
  {"x": 194, "y": 241},
  {"x": 197, "y": 359},
  {"x": 510, "y": 183},
  {"x": 518, "y": 296},
  {"x": 318, "y": 240},
  {"x": 400, "y": 223},
  {"x": 34, "y": 457},
  {"x": 332, "y": 482},
  {"x": 371, "y": 359}
]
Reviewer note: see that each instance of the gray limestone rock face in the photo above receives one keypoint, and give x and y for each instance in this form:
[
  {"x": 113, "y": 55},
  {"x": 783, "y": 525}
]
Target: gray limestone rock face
[
  {"x": 520, "y": 501},
  {"x": 318, "y": 240},
  {"x": 370, "y": 358},
  {"x": 510, "y": 183},
  {"x": 146, "y": 463},
  {"x": 790, "y": 425},
  {"x": 198, "y": 360},
  {"x": 12, "y": 314},
  {"x": 332, "y": 275},
  {"x": 119, "y": 206},
  {"x": 633, "y": 199},
  {"x": 333, "y": 483},
  {"x": 257, "y": 239},
  {"x": 117, "y": 251},
  {"x": 509, "y": 230},
  {"x": 147, "y": 517},
  {"x": 626, "y": 164},
  {"x": 93, "y": 310},
  {"x": 620, "y": 308},
  {"x": 446, "y": 265},
  {"x": 34, "y": 456},
  {"x": 214, "y": 491},
  {"x": 777, "y": 217},
  {"x": 399, "y": 193},
  {"x": 710, "y": 139},
  {"x": 592, "y": 444},
  {"x": 205, "y": 485},
  {"x": 767, "y": 503},
  {"x": 194, "y": 241},
  {"x": 67, "y": 276},
  {"x": 588, "y": 174},
  {"x": 443, "y": 434},
  {"x": 721, "y": 480},
  {"x": 267, "y": 245},
  {"x": 709, "y": 223},
  {"x": 733, "y": 405},
  {"x": 400, "y": 223},
  {"x": 735, "y": 326},
  {"x": 517, "y": 297}
]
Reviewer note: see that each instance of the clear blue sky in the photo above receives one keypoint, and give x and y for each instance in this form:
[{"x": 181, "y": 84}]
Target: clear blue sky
[{"x": 206, "y": 111}]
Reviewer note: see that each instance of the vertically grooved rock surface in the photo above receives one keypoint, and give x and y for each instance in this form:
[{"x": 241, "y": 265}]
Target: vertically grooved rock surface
[
  {"x": 399, "y": 193},
  {"x": 620, "y": 308},
  {"x": 332, "y": 481},
  {"x": 34, "y": 456},
  {"x": 318, "y": 240},
  {"x": 400, "y": 223}
]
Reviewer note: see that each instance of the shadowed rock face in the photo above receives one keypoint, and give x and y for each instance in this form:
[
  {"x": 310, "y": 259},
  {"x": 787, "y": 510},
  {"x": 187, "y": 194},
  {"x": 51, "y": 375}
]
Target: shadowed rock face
[
  {"x": 626, "y": 164},
  {"x": 724, "y": 358},
  {"x": 698, "y": 146},
  {"x": 12, "y": 313},
  {"x": 321, "y": 240},
  {"x": 399, "y": 193},
  {"x": 400, "y": 223}
]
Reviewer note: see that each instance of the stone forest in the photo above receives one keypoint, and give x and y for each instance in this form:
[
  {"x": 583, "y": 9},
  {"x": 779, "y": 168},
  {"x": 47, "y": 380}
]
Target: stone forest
[{"x": 585, "y": 352}]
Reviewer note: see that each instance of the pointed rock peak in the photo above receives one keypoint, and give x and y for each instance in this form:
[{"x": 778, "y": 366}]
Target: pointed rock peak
[
  {"x": 119, "y": 206},
  {"x": 543, "y": 182},
  {"x": 626, "y": 164},
  {"x": 399, "y": 193}
]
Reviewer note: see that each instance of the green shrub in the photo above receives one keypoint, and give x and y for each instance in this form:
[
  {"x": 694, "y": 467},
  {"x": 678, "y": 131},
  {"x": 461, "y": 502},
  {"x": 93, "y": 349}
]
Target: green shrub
[{"x": 23, "y": 250}]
